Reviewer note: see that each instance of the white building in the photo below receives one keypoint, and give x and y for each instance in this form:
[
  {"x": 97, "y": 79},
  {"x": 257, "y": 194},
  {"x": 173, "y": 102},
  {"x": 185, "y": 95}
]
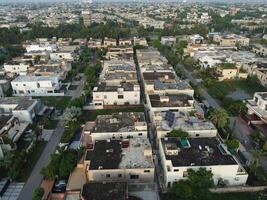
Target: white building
[
  {"x": 62, "y": 56},
  {"x": 129, "y": 161},
  {"x": 36, "y": 86},
  {"x": 115, "y": 126},
  {"x": 140, "y": 41},
  {"x": 41, "y": 47},
  {"x": 124, "y": 93},
  {"x": 179, "y": 155},
  {"x": 196, "y": 39},
  {"x": 194, "y": 125},
  {"x": 23, "y": 108},
  {"x": 168, "y": 40},
  {"x": 258, "y": 105},
  {"x": 16, "y": 67},
  {"x": 165, "y": 82}
]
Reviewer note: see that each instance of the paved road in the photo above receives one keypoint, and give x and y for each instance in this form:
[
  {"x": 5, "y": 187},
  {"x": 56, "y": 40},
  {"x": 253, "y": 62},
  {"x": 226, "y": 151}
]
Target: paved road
[
  {"x": 78, "y": 92},
  {"x": 35, "y": 178},
  {"x": 212, "y": 102}
]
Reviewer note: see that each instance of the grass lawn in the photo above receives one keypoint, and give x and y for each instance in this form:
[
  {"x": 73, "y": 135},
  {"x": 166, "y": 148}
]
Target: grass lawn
[
  {"x": 32, "y": 160},
  {"x": 222, "y": 89},
  {"x": 58, "y": 102}
]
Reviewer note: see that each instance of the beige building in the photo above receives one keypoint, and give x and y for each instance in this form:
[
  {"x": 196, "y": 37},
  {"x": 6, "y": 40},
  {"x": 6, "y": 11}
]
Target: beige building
[
  {"x": 128, "y": 161},
  {"x": 227, "y": 71}
]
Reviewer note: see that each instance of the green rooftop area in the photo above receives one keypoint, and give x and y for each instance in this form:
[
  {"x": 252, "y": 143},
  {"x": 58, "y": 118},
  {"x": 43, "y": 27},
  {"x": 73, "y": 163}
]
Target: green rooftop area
[{"x": 228, "y": 66}]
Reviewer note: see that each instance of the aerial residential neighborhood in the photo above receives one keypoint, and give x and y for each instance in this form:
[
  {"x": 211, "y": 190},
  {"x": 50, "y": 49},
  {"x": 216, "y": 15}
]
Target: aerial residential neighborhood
[{"x": 133, "y": 100}]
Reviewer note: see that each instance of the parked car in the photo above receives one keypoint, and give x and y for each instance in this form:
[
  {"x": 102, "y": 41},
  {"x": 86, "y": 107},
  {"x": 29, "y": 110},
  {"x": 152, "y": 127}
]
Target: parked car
[{"x": 61, "y": 183}]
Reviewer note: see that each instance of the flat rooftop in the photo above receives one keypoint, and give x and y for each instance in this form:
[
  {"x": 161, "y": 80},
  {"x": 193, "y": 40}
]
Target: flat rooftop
[
  {"x": 105, "y": 191},
  {"x": 197, "y": 152},
  {"x": 171, "y": 100},
  {"x": 119, "y": 122},
  {"x": 182, "y": 120},
  {"x": 4, "y": 119},
  {"x": 120, "y": 154},
  {"x": 121, "y": 76},
  {"x": 20, "y": 103},
  {"x": 23, "y": 78},
  {"x": 104, "y": 87},
  {"x": 171, "y": 85},
  {"x": 156, "y": 68},
  {"x": 151, "y": 76}
]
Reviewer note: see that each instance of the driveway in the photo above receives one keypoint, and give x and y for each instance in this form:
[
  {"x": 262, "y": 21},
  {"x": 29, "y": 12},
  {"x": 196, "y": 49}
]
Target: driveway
[{"x": 35, "y": 178}]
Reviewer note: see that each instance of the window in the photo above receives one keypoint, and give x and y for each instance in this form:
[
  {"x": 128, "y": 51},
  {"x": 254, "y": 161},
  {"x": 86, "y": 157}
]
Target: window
[
  {"x": 140, "y": 134},
  {"x": 169, "y": 185},
  {"x": 24, "y": 84},
  {"x": 197, "y": 135},
  {"x": 107, "y": 175},
  {"x": 105, "y": 96},
  {"x": 119, "y": 175},
  {"x": 176, "y": 170},
  {"x": 38, "y": 85},
  {"x": 146, "y": 171},
  {"x": 134, "y": 177},
  {"x": 120, "y": 96},
  {"x": 49, "y": 91}
]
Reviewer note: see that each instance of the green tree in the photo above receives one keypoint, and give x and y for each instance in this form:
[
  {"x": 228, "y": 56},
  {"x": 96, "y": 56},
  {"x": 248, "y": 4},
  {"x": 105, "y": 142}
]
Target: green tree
[
  {"x": 50, "y": 172},
  {"x": 182, "y": 190},
  {"x": 67, "y": 163},
  {"x": 219, "y": 117},
  {"x": 178, "y": 133},
  {"x": 38, "y": 194},
  {"x": 71, "y": 114},
  {"x": 232, "y": 144},
  {"x": 195, "y": 187},
  {"x": 200, "y": 181}
]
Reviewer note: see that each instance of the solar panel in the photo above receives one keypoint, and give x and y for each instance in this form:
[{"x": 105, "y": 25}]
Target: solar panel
[{"x": 170, "y": 117}]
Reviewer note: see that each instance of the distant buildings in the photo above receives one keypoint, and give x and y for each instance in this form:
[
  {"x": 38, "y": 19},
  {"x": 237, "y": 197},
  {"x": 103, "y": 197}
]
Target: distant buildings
[{"x": 86, "y": 15}]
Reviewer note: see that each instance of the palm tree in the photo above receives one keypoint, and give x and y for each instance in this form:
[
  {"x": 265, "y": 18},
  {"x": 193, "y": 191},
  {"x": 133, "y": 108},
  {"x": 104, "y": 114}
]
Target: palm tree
[{"x": 219, "y": 117}]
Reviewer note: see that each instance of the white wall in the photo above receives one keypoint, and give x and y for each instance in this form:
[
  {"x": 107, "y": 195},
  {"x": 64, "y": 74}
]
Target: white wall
[
  {"x": 16, "y": 68},
  {"x": 35, "y": 88},
  {"x": 110, "y": 98},
  {"x": 226, "y": 172},
  {"x": 100, "y": 175}
]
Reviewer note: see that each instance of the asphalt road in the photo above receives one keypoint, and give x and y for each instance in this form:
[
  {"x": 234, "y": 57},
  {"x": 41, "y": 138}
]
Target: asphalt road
[
  {"x": 78, "y": 92},
  {"x": 35, "y": 178}
]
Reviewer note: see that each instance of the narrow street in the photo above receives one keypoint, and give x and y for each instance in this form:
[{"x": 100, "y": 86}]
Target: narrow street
[
  {"x": 212, "y": 102},
  {"x": 35, "y": 178}
]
